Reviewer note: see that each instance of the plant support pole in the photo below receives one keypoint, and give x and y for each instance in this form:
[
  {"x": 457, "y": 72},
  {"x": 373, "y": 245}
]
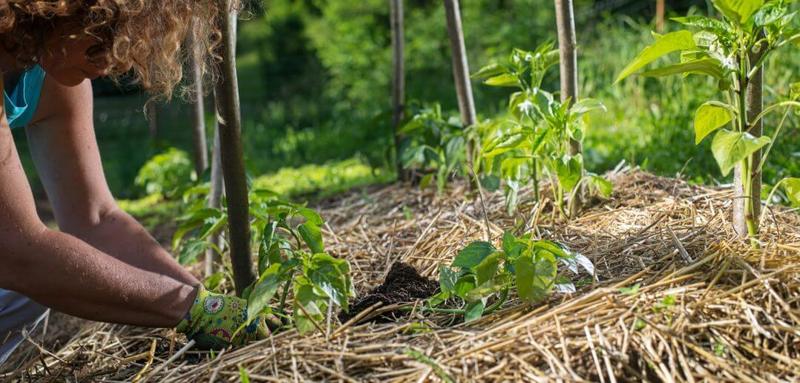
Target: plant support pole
[
  {"x": 198, "y": 109},
  {"x": 660, "y": 14},
  {"x": 747, "y": 175},
  {"x": 466, "y": 104},
  {"x": 215, "y": 200},
  {"x": 398, "y": 77},
  {"x": 568, "y": 45},
  {"x": 568, "y": 59},
  {"x": 230, "y": 129}
]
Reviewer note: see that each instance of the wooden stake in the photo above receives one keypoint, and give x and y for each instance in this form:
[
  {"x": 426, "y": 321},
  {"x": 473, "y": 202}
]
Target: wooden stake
[
  {"x": 230, "y": 129},
  {"x": 755, "y": 104},
  {"x": 398, "y": 78},
  {"x": 568, "y": 45},
  {"x": 215, "y": 200},
  {"x": 198, "y": 109},
  {"x": 466, "y": 103},
  {"x": 660, "y": 14}
]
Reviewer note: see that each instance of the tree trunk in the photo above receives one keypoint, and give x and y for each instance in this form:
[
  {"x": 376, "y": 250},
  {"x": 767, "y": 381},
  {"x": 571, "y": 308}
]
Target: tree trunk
[
  {"x": 741, "y": 214},
  {"x": 215, "y": 200},
  {"x": 230, "y": 129},
  {"x": 398, "y": 79},
  {"x": 198, "y": 109},
  {"x": 151, "y": 110},
  {"x": 466, "y": 103},
  {"x": 660, "y": 14}
]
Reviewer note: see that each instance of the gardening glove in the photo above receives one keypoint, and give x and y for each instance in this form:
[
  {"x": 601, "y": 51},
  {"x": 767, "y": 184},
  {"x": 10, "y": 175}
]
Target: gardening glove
[{"x": 214, "y": 319}]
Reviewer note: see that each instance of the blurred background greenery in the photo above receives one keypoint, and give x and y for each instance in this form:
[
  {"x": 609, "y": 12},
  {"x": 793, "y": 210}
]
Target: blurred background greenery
[{"x": 315, "y": 88}]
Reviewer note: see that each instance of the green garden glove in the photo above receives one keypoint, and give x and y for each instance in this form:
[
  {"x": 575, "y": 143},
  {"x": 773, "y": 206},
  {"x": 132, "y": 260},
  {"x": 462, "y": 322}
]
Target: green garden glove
[{"x": 214, "y": 318}]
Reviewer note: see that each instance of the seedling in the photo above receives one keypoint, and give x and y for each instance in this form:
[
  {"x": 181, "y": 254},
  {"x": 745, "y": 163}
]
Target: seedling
[
  {"x": 291, "y": 258},
  {"x": 480, "y": 273},
  {"x": 730, "y": 49},
  {"x": 434, "y": 146},
  {"x": 535, "y": 141}
]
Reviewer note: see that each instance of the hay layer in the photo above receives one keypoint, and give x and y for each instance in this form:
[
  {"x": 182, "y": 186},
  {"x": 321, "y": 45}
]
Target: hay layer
[{"x": 707, "y": 306}]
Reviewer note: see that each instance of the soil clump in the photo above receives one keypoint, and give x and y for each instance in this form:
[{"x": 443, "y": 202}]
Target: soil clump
[{"x": 403, "y": 284}]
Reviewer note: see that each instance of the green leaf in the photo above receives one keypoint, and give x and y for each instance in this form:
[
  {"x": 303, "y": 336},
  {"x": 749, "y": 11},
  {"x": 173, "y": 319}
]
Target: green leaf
[
  {"x": 729, "y": 148},
  {"x": 738, "y": 11},
  {"x": 305, "y": 297},
  {"x": 447, "y": 279},
  {"x": 265, "y": 246},
  {"x": 503, "y": 80},
  {"x": 474, "y": 311},
  {"x": 464, "y": 285},
  {"x": 632, "y": 290},
  {"x": 792, "y": 188},
  {"x": 707, "y": 66},
  {"x": 191, "y": 250},
  {"x": 489, "y": 71},
  {"x": 535, "y": 275},
  {"x": 490, "y": 182},
  {"x": 264, "y": 289},
  {"x": 213, "y": 281},
  {"x": 332, "y": 276},
  {"x": 587, "y": 105},
  {"x": 473, "y": 254},
  {"x": 708, "y": 118},
  {"x": 487, "y": 268},
  {"x": 312, "y": 236},
  {"x": 702, "y": 22},
  {"x": 426, "y": 181},
  {"x": 603, "y": 186},
  {"x": 569, "y": 170},
  {"x": 244, "y": 376},
  {"x": 666, "y": 44}
]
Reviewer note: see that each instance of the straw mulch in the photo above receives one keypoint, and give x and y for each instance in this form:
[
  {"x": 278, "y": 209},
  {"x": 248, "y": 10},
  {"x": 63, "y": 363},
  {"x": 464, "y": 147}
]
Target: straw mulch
[{"x": 708, "y": 307}]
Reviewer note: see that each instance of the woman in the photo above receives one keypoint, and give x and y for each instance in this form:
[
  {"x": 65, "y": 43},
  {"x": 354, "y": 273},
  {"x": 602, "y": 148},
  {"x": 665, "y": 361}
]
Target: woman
[{"x": 102, "y": 265}]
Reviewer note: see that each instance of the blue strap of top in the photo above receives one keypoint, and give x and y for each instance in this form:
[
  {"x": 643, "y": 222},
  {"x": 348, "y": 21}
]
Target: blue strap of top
[{"x": 21, "y": 103}]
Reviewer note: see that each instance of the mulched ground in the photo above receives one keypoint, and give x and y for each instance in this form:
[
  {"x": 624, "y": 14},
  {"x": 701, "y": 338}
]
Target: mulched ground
[{"x": 675, "y": 297}]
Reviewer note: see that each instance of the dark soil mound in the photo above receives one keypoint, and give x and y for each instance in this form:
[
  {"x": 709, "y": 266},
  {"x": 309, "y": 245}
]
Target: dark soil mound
[{"x": 403, "y": 284}]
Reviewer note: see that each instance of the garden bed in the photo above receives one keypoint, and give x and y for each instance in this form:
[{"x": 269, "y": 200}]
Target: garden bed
[{"x": 676, "y": 297}]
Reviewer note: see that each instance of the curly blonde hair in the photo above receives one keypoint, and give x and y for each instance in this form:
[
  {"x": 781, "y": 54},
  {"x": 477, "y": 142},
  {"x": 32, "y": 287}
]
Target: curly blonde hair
[{"x": 144, "y": 37}]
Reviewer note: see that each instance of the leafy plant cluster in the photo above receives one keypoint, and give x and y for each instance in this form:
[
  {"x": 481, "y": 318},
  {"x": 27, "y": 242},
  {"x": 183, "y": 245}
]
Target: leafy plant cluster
[
  {"x": 480, "y": 273},
  {"x": 534, "y": 142},
  {"x": 732, "y": 50},
  {"x": 168, "y": 173},
  {"x": 434, "y": 146},
  {"x": 291, "y": 258}
]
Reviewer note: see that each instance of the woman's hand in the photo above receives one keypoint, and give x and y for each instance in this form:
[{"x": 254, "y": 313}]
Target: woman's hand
[{"x": 216, "y": 321}]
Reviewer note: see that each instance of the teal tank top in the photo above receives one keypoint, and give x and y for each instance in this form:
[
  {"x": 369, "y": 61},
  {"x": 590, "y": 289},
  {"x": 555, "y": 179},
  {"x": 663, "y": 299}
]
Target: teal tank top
[{"x": 21, "y": 103}]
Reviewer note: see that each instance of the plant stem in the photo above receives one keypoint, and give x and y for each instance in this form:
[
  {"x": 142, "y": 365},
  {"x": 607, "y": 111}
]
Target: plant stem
[
  {"x": 535, "y": 175},
  {"x": 498, "y": 303},
  {"x": 772, "y": 141},
  {"x": 483, "y": 204},
  {"x": 282, "y": 304}
]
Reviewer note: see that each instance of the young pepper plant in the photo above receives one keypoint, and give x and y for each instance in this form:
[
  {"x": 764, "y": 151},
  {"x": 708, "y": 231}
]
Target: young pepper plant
[
  {"x": 731, "y": 50},
  {"x": 481, "y": 272},
  {"x": 434, "y": 146},
  {"x": 535, "y": 141},
  {"x": 291, "y": 259}
]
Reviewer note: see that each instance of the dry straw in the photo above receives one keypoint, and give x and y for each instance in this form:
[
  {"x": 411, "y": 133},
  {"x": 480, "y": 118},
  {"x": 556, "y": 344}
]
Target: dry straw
[{"x": 707, "y": 306}]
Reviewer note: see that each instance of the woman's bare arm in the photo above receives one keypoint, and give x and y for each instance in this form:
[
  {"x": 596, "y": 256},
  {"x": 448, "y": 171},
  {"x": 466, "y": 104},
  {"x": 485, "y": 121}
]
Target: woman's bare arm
[
  {"x": 66, "y": 155},
  {"x": 63, "y": 272}
]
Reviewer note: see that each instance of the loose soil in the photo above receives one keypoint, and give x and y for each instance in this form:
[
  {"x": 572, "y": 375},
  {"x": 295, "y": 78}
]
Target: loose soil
[{"x": 403, "y": 284}]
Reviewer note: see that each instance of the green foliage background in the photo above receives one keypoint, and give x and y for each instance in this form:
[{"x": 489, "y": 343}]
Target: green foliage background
[{"x": 315, "y": 79}]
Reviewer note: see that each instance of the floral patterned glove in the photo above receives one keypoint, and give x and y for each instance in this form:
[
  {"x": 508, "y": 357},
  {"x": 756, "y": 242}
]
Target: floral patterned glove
[{"x": 214, "y": 319}]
